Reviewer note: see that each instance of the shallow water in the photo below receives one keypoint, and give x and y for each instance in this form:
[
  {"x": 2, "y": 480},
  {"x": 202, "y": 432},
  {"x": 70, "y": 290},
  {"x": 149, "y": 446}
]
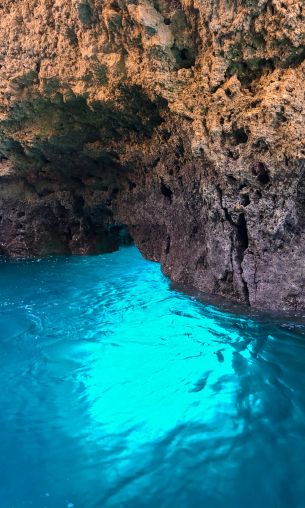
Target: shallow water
[{"x": 118, "y": 391}]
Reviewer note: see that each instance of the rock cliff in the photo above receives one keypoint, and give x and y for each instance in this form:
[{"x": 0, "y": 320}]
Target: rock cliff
[{"x": 182, "y": 120}]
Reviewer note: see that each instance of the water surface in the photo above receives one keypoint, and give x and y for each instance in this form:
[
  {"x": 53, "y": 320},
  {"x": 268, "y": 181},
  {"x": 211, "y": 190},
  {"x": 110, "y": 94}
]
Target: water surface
[{"x": 117, "y": 391}]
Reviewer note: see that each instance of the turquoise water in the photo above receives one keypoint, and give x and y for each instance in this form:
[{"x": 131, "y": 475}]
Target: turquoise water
[{"x": 117, "y": 391}]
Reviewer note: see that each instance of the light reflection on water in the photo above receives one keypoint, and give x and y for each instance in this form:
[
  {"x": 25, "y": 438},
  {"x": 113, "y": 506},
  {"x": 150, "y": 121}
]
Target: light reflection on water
[{"x": 118, "y": 391}]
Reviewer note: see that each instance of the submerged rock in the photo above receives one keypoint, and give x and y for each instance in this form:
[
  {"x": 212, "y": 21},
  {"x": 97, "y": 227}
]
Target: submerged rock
[{"x": 180, "y": 119}]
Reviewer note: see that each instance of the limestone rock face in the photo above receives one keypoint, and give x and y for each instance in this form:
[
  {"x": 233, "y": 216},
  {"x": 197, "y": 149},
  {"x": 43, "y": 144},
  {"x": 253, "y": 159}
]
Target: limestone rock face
[{"x": 182, "y": 120}]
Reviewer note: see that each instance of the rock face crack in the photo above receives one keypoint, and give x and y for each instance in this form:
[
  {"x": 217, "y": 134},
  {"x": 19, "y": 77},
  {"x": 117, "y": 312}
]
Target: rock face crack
[
  {"x": 239, "y": 244},
  {"x": 242, "y": 243}
]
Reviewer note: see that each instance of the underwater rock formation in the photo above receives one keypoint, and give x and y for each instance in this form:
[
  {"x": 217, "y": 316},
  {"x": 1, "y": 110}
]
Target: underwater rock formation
[{"x": 182, "y": 120}]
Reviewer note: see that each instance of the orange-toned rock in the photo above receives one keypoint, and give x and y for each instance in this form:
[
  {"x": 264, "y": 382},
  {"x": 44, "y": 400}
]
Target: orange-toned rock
[{"x": 182, "y": 119}]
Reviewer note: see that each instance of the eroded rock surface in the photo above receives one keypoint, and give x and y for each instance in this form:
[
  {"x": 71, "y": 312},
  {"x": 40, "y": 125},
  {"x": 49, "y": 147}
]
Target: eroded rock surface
[{"x": 180, "y": 119}]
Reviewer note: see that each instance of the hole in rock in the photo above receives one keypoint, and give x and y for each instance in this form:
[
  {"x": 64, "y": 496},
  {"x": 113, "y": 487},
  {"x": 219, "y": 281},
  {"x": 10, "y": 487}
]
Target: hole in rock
[
  {"x": 166, "y": 134},
  {"x": 231, "y": 179},
  {"x": 272, "y": 10},
  {"x": 242, "y": 232},
  {"x": 179, "y": 150},
  {"x": 233, "y": 155},
  {"x": 254, "y": 104},
  {"x": 166, "y": 191},
  {"x": 261, "y": 172},
  {"x": 261, "y": 145},
  {"x": 201, "y": 262},
  {"x": 240, "y": 135},
  {"x": 168, "y": 244},
  {"x": 184, "y": 57},
  {"x": 245, "y": 200},
  {"x": 115, "y": 6},
  {"x": 155, "y": 162}
]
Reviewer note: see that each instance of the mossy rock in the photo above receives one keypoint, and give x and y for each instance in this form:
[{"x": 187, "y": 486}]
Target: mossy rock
[{"x": 85, "y": 13}]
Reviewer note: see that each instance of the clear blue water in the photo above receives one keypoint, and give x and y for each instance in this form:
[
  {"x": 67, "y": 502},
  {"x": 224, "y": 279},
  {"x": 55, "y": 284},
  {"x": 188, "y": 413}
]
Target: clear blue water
[{"x": 117, "y": 391}]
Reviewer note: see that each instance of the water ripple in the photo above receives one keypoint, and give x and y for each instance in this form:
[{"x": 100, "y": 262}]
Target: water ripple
[{"x": 118, "y": 391}]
